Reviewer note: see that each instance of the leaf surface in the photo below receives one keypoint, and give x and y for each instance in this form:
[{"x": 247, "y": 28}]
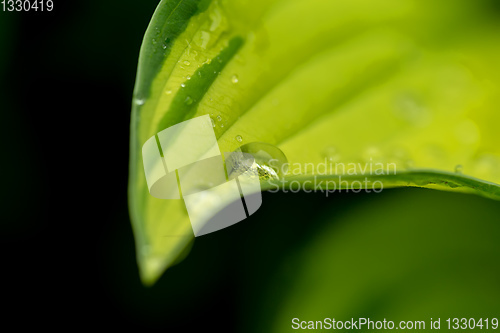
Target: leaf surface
[{"x": 409, "y": 88}]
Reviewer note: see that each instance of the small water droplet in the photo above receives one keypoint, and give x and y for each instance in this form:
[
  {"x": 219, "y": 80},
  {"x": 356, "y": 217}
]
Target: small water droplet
[
  {"x": 139, "y": 101},
  {"x": 372, "y": 154},
  {"x": 188, "y": 77},
  {"x": 199, "y": 74},
  {"x": 411, "y": 109},
  {"x": 219, "y": 118},
  {"x": 239, "y": 138},
  {"x": 183, "y": 85},
  {"x": 234, "y": 79},
  {"x": 331, "y": 154},
  {"x": 164, "y": 46},
  {"x": 221, "y": 125},
  {"x": 168, "y": 92},
  {"x": 213, "y": 122},
  {"x": 219, "y": 59},
  {"x": 187, "y": 63},
  {"x": 188, "y": 100},
  {"x": 409, "y": 164},
  {"x": 154, "y": 41},
  {"x": 459, "y": 168},
  {"x": 270, "y": 161}
]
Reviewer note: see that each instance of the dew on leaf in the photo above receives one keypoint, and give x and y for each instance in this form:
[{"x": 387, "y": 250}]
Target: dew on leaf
[
  {"x": 411, "y": 109},
  {"x": 239, "y": 138},
  {"x": 271, "y": 162},
  {"x": 331, "y": 154},
  {"x": 139, "y": 101},
  {"x": 234, "y": 79}
]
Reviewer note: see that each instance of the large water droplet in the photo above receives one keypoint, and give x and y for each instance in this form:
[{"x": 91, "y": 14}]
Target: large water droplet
[
  {"x": 270, "y": 161},
  {"x": 187, "y": 63},
  {"x": 188, "y": 100}
]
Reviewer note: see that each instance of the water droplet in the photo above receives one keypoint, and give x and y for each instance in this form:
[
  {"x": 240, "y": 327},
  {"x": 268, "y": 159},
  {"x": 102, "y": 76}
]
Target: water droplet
[
  {"x": 154, "y": 41},
  {"x": 213, "y": 122},
  {"x": 219, "y": 118},
  {"x": 221, "y": 125},
  {"x": 372, "y": 154},
  {"x": 239, "y": 138},
  {"x": 409, "y": 164},
  {"x": 164, "y": 46},
  {"x": 168, "y": 92},
  {"x": 199, "y": 74},
  {"x": 187, "y": 63},
  {"x": 331, "y": 154},
  {"x": 183, "y": 85},
  {"x": 188, "y": 100},
  {"x": 270, "y": 161},
  {"x": 459, "y": 168},
  {"x": 139, "y": 101},
  {"x": 411, "y": 109},
  {"x": 234, "y": 79},
  {"x": 188, "y": 77},
  {"x": 219, "y": 59}
]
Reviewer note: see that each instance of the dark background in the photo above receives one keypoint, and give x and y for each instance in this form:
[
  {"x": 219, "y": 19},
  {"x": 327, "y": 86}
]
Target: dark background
[{"x": 67, "y": 247}]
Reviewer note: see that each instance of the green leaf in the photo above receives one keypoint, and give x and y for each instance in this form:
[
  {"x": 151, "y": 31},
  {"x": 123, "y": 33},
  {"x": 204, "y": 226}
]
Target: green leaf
[{"x": 411, "y": 86}]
